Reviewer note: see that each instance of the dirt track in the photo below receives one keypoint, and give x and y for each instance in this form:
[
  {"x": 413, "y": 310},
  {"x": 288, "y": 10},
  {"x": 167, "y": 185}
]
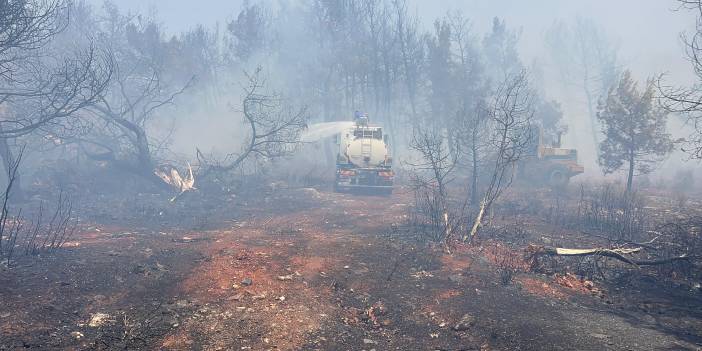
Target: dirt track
[{"x": 306, "y": 270}]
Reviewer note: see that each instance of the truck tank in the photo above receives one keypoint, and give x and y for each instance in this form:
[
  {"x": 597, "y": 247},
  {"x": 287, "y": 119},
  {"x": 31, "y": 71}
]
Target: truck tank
[{"x": 363, "y": 161}]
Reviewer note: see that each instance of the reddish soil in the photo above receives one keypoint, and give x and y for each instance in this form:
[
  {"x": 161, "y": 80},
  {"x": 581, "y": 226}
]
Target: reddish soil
[{"x": 312, "y": 270}]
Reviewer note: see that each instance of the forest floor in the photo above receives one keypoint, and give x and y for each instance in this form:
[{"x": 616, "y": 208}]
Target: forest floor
[{"x": 306, "y": 269}]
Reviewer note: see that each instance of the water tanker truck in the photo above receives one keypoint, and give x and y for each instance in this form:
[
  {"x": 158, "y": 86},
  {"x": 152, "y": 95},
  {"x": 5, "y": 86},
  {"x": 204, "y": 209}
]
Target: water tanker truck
[{"x": 363, "y": 162}]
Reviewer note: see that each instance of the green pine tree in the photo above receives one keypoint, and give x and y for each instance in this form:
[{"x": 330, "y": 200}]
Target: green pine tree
[{"x": 634, "y": 129}]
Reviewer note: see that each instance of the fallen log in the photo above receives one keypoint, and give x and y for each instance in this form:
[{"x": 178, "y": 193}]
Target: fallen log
[{"x": 535, "y": 250}]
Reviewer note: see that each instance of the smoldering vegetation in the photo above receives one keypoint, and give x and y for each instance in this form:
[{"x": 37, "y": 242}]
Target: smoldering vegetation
[{"x": 351, "y": 170}]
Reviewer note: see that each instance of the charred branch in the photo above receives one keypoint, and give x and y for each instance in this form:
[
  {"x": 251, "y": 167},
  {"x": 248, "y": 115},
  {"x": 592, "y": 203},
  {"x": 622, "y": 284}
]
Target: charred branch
[
  {"x": 620, "y": 254},
  {"x": 274, "y": 128}
]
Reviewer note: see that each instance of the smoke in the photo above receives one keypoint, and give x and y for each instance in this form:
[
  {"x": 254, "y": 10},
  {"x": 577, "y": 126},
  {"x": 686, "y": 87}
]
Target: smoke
[{"x": 646, "y": 34}]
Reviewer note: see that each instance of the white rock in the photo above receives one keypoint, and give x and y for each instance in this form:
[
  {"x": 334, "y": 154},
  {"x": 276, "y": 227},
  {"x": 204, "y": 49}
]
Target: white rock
[{"x": 98, "y": 320}]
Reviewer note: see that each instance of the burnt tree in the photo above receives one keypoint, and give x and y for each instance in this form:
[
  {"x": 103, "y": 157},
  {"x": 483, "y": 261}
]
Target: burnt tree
[
  {"x": 274, "y": 128},
  {"x": 510, "y": 114},
  {"x": 687, "y": 101},
  {"x": 41, "y": 90}
]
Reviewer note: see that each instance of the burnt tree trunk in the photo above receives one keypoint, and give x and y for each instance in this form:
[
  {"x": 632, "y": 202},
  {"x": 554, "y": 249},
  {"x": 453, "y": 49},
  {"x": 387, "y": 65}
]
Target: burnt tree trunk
[
  {"x": 474, "y": 185},
  {"x": 142, "y": 163},
  {"x": 630, "y": 177},
  {"x": 7, "y": 161}
]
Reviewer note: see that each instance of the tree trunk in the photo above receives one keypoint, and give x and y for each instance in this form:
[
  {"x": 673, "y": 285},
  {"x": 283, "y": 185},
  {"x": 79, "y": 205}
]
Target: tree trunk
[
  {"x": 477, "y": 223},
  {"x": 7, "y": 160},
  {"x": 591, "y": 110},
  {"x": 474, "y": 176},
  {"x": 328, "y": 145},
  {"x": 630, "y": 178},
  {"x": 144, "y": 153}
]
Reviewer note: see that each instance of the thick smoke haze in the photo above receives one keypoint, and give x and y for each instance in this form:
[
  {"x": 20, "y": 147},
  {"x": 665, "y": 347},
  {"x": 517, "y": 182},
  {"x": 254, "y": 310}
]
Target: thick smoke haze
[
  {"x": 645, "y": 34},
  {"x": 351, "y": 175},
  {"x": 647, "y": 31}
]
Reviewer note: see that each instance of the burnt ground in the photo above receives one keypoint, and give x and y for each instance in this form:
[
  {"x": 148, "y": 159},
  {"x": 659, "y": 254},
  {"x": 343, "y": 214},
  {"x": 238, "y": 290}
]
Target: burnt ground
[{"x": 308, "y": 269}]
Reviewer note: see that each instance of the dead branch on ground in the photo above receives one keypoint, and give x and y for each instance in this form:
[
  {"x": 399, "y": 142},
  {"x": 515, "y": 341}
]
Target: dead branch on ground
[
  {"x": 172, "y": 177},
  {"x": 620, "y": 254}
]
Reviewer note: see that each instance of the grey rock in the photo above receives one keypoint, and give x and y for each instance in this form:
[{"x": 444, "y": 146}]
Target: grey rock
[{"x": 466, "y": 322}]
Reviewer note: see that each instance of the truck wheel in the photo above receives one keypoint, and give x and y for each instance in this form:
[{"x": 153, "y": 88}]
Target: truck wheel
[{"x": 558, "y": 177}]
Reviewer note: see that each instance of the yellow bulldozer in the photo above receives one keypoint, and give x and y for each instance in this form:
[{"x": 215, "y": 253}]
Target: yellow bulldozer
[{"x": 550, "y": 164}]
